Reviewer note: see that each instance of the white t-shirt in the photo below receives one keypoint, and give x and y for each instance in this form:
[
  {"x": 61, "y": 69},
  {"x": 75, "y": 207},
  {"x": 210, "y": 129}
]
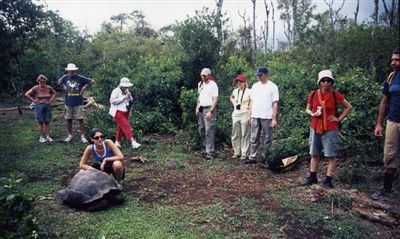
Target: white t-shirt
[
  {"x": 262, "y": 96},
  {"x": 207, "y": 92}
]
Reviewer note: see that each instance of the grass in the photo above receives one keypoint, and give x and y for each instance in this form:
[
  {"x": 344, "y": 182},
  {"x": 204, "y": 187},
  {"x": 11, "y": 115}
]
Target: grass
[{"x": 266, "y": 206}]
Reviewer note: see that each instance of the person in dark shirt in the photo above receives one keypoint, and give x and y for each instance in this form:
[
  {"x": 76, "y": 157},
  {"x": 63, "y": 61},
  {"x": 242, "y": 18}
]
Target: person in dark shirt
[
  {"x": 390, "y": 105},
  {"x": 74, "y": 86}
]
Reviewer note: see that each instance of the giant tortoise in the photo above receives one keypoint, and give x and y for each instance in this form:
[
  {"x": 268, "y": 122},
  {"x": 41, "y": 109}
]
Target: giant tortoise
[{"x": 92, "y": 190}]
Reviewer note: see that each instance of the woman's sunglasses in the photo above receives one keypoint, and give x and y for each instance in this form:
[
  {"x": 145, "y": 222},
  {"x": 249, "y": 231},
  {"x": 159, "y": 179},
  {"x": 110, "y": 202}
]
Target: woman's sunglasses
[
  {"x": 327, "y": 80},
  {"x": 99, "y": 137}
]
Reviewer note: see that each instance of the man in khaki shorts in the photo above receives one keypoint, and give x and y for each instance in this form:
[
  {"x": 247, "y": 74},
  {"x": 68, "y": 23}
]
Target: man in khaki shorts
[
  {"x": 74, "y": 86},
  {"x": 390, "y": 104}
]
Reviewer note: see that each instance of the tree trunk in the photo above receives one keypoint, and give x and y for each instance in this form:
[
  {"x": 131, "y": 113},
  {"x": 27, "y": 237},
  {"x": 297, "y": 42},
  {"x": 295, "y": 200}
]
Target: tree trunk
[
  {"x": 356, "y": 13},
  {"x": 273, "y": 25},
  {"x": 254, "y": 31},
  {"x": 376, "y": 12},
  {"x": 266, "y": 26},
  {"x": 294, "y": 27},
  {"x": 219, "y": 23}
]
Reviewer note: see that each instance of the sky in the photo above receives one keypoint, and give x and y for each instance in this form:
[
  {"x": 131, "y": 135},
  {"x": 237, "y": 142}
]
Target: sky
[{"x": 90, "y": 14}]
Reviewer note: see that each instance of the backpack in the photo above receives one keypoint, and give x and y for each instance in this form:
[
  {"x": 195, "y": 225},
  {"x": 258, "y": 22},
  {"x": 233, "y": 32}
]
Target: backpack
[
  {"x": 389, "y": 81},
  {"x": 283, "y": 162}
]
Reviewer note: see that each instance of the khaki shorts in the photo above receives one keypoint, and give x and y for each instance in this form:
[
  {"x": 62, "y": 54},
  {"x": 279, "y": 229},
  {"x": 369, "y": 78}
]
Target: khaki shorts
[
  {"x": 74, "y": 112},
  {"x": 392, "y": 144}
]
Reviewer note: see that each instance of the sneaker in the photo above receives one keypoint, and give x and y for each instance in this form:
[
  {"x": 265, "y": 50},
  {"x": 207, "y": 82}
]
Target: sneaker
[
  {"x": 209, "y": 157},
  {"x": 83, "y": 139},
  {"x": 135, "y": 144},
  {"x": 250, "y": 161},
  {"x": 68, "y": 139},
  {"x": 42, "y": 139},
  {"x": 310, "y": 181},
  {"x": 242, "y": 158},
  {"x": 327, "y": 184},
  {"x": 49, "y": 139},
  {"x": 235, "y": 156},
  {"x": 381, "y": 194},
  {"x": 117, "y": 144}
]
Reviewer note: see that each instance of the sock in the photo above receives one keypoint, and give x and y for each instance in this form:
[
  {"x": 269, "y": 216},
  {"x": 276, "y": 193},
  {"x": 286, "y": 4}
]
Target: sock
[{"x": 328, "y": 179}]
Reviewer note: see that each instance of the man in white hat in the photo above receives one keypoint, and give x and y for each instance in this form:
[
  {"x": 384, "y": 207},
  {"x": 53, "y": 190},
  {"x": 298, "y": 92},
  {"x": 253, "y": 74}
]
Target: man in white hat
[
  {"x": 74, "y": 86},
  {"x": 205, "y": 110}
]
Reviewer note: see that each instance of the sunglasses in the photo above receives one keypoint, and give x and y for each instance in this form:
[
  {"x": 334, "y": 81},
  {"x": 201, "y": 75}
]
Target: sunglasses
[
  {"x": 327, "y": 80},
  {"x": 98, "y": 137}
]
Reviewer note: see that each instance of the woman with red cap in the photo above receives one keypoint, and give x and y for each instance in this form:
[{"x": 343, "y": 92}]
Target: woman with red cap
[{"x": 240, "y": 99}]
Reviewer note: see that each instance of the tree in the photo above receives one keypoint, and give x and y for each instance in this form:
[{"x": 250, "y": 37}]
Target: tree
[
  {"x": 121, "y": 19},
  {"x": 21, "y": 23},
  {"x": 254, "y": 31},
  {"x": 199, "y": 43}
]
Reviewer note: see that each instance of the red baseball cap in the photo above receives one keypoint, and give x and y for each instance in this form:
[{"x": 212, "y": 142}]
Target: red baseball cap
[{"x": 241, "y": 78}]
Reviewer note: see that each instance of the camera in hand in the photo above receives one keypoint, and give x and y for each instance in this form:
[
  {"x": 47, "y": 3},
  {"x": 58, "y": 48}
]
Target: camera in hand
[
  {"x": 129, "y": 106},
  {"x": 238, "y": 106}
]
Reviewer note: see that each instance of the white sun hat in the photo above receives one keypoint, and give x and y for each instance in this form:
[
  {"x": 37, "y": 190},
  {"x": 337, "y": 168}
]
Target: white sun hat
[
  {"x": 325, "y": 74},
  {"x": 124, "y": 82},
  {"x": 71, "y": 67}
]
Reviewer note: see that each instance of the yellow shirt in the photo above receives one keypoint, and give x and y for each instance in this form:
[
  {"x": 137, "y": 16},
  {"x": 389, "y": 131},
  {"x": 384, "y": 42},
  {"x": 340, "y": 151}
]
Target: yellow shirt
[{"x": 241, "y": 99}]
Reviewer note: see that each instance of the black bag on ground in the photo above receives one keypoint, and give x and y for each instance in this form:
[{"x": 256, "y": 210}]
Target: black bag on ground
[{"x": 283, "y": 162}]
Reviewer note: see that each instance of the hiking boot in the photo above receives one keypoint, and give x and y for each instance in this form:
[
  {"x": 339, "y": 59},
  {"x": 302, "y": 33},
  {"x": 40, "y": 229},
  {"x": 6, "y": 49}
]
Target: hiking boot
[
  {"x": 135, "y": 144},
  {"x": 117, "y": 144},
  {"x": 310, "y": 181},
  {"x": 381, "y": 194},
  {"x": 250, "y": 161},
  {"x": 83, "y": 139},
  {"x": 49, "y": 139},
  {"x": 42, "y": 139},
  {"x": 68, "y": 139},
  {"x": 327, "y": 185}
]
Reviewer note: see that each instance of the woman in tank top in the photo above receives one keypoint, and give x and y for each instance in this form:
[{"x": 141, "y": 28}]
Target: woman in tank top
[{"x": 107, "y": 157}]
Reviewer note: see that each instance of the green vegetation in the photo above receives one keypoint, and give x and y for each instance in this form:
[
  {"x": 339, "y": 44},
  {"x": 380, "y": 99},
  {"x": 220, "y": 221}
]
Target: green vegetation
[{"x": 197, "y": 199}]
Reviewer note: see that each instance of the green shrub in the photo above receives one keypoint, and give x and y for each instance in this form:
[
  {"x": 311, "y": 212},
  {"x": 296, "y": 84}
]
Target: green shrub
[{"x": 16, "y": 218}]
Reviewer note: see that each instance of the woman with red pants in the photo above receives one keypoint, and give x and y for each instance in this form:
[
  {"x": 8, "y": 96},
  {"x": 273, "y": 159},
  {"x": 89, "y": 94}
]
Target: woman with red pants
[{"x": 120, "y": 101}]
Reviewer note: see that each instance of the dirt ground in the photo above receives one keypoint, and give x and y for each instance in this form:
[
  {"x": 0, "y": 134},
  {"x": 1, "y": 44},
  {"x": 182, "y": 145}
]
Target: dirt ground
[{"x": 194, "y": 187}]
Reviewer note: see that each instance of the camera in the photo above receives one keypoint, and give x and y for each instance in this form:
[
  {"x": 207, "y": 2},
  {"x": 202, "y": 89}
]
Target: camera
[
  {"x": 238, "y": 107},
  {"x": 129, "y": 106},
  {"x": 319, "y": 111}
]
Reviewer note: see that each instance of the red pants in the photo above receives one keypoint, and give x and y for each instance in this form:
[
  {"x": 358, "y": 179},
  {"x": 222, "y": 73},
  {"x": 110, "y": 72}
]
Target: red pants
[{"x": 123, "y": 127}]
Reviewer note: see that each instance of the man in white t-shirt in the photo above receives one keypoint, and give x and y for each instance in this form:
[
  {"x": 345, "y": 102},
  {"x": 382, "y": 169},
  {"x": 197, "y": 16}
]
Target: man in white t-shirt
[
  {"x": 205, "y": 110},
  {"x": 263, "y": 113}
]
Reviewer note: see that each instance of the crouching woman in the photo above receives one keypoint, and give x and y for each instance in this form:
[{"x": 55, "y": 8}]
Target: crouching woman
[{"x": 107, "y": 157}]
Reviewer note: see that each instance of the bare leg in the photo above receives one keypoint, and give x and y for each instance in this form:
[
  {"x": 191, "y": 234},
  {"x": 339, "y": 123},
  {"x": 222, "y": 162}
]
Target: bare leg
[
  {"x": 81, "y": 126},
  {"x": 40, "y": 129},
  {"x": 331, "y": 167},
  {"x": 314, "y": 163},
  {"x": 118, "y": 168},
  {"x": 47, "y": 129},
  {"x": 69, "y": 126}
]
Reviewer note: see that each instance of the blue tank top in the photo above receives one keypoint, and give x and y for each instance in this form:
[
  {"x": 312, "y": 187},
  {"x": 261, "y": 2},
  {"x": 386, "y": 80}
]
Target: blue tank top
[{"x": 100, "y": 158}]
